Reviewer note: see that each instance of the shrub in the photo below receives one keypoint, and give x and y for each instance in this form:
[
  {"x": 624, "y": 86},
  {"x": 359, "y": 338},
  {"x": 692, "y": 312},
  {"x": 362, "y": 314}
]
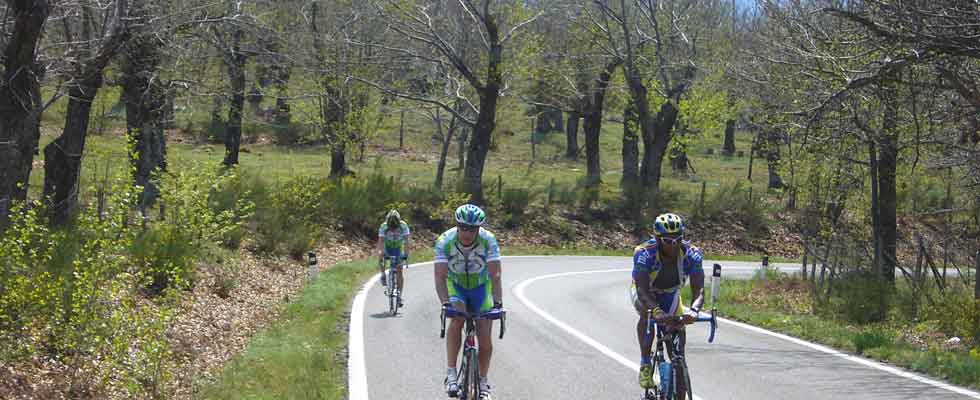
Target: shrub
[
  {"x": 871, "y": 338},
  {"x": 732, "y": 203},
  {"x": 360, "y": 204},
  {"x": 860, "y": 296}
]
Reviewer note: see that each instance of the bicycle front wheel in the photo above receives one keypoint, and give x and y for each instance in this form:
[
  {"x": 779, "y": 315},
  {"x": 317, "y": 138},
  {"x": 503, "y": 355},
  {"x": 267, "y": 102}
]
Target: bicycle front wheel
[
  {"x": 474, "y": 373},
  {"x": 683, "y": 375}
]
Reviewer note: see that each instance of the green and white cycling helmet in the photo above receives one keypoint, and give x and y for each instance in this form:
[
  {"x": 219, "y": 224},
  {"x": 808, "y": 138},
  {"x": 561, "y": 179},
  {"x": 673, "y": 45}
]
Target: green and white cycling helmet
[
  {"x": 468, "y": 214},
  {"x": 669, "y": 224},
  {"x": 393, "y": 214}
]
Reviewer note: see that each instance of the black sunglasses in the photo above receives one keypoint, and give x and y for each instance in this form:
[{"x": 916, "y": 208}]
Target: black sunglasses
[{"x": 468, "y": 228}]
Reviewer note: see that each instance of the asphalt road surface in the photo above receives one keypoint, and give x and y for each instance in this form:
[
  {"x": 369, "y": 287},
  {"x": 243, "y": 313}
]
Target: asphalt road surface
[{"x": 570, "y": 335}]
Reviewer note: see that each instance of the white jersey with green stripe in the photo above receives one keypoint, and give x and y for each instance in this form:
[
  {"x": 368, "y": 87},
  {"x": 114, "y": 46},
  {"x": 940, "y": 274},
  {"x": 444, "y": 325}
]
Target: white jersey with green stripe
[
  {"x": 394, "y": 238},
  {"x": 467, "y": 264}
]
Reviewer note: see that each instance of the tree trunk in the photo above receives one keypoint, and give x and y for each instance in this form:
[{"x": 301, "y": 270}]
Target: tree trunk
[
  {"x": 773, "y": 158},
  {"x": 875, "y": 209},
  {"x": 63, "y": 156},
  {"x": 338, "y": 159},
  {"x": 631, "y": 149},
  {"x": 143, "y": 96},
  {"x": 487, "y": 117},
  {"x": 236, "y": 75},
  {"x": 656, "y": 138},
  {"x": 678, "y": 157},
  {"x": 461, "y": 151},
  {"x": 446, "y": 140},
  {"x": 571, "y": 136},
  {"x": 729, "y": 148},
  {"x": 20, "y": 102},
  {"x": 592, "y": 124},
  {"x": 887, "y": 166},
  {"x": 480, "y": 144}
]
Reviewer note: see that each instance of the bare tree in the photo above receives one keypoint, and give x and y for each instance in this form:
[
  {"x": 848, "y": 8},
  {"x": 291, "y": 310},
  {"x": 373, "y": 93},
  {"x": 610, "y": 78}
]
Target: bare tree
[
  {"x": 493, "y": 24},
  {"x": 20, "y": 100},
  {"x": 89, "y": 48}
]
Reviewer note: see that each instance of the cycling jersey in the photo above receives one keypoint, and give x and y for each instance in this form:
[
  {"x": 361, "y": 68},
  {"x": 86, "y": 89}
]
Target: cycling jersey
[
  {"x": 665, "y": 280},
  {"x": 467, "y": 265},
  {"x": 394, "y": 238}
]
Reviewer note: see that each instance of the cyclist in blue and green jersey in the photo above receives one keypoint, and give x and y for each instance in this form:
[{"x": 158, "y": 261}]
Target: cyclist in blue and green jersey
[
  {"x": 393, "y": 242},
  {"x": 467, "y": 275},
  {"x": 661, "y": 267}
]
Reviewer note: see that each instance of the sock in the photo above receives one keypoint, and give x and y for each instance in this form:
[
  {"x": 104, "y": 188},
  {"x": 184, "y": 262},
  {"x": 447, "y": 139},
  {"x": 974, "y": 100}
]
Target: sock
[
  {"x": 645, "y": 361},
  {"x": 451, "y": 372}
]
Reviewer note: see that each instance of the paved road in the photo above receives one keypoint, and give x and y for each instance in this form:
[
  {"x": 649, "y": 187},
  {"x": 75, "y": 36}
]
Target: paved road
[{"x": 569, "y": 336}]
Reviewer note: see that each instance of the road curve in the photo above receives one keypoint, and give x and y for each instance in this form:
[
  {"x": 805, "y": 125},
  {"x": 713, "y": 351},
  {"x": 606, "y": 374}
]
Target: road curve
[{"x": 570, "y": 336}]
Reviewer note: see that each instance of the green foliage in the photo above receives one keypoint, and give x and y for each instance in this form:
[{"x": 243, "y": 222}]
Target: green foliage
[
  {"x": 73, "y": 295},
  {"x": 860, "y": 297},
  {"x": 871, "y": 338},
  {"x": 168, "y": 253},
  {"x": 514, "y": 203},
  {"x": 360, "y": 204},
  {"x": 736, "y": 203}
]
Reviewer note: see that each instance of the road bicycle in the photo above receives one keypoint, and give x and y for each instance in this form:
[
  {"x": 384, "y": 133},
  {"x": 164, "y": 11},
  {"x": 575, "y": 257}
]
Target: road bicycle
[
  {"x": 469, "y": 366},
  {"x": 392, "y": 290},
  {"x": 676, "y": 370}
]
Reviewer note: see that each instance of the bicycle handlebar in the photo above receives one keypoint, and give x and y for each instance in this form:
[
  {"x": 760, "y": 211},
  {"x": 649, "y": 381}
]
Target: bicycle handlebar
[
  {"x": 494, "y": 314},
  {"x": 711, "y": 319}
]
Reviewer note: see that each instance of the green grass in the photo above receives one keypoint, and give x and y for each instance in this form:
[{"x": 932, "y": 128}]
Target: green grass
[
  {"x": 881, "y": 341},
  {"x": 301, "y": 355}
]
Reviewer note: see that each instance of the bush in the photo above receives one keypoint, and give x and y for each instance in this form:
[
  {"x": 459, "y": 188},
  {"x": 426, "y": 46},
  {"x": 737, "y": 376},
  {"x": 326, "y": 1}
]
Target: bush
[
  {"x": 870, "y": 339},
  {"x": 167, "y": 252},
  {"x": 360, "y": 204},
  {"x": 72, "y": 297},
  {"x": 860, "y": 297},
  {"x": 514, "y": 203},
  {"x": 732, "y": 203}
]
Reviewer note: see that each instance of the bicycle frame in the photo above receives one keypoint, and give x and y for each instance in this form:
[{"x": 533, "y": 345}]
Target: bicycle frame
[
  {"x": 392, "y": 278},
  {"x": 469, "y": 366}
]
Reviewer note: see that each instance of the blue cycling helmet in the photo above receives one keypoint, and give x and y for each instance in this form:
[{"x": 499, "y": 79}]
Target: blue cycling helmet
[
  {"x": 668, "y": 224},
  {"x": 468, "y": 214}
]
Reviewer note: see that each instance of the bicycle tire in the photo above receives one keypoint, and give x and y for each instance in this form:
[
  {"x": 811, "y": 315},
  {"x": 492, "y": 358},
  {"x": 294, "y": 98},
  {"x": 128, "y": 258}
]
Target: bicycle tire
[
  {"x": 464, "y": 369},
  {"x": 474, "y": 374},
  {"x": 392, "y": 288},
  {"x": 686, "y": 376}
]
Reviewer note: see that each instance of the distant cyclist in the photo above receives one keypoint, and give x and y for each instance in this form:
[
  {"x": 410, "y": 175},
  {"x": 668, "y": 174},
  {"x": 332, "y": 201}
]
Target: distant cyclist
[
  {"x": 661, "y": 266},
  {"x": 467, "y": 275},
  {"x": 393, "y": 242}
]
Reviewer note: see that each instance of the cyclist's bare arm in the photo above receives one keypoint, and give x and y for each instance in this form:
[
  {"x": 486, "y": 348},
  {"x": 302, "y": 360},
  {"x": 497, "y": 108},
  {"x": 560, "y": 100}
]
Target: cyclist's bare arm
[
  {"x": 442, "y": 273},
  {"x": 381, "y": 247},
  {"x": 697, "y": 291},
  {"x": 642, "y": 282},
  {"x": 493, "y": 267}
]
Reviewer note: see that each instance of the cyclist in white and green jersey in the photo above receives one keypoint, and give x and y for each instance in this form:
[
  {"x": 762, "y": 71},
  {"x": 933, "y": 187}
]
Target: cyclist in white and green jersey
[
  {"x": 393, "y": 242},
  {"x": 467, "y": 276}
]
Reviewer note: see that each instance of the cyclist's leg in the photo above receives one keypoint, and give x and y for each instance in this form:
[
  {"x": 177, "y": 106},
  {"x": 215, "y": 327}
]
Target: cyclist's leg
[
  {"x": 454, "y": 338},
  {"x": 483, "y": 301},
  {"x": 398, "y": 252},
  {"x": 646, "y": 366}
]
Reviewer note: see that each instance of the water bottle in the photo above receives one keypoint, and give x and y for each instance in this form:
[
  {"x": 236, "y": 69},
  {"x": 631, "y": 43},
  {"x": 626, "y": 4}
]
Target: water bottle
[{"x": 666, "y": 376}]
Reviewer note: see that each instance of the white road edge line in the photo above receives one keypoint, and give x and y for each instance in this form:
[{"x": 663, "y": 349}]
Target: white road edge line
[
  {"x": 859, "y": 360},
  {"x": 357, "y": 388},
  {"x": 519, "y": 291},
  {"x": 622, "y": 360}
]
